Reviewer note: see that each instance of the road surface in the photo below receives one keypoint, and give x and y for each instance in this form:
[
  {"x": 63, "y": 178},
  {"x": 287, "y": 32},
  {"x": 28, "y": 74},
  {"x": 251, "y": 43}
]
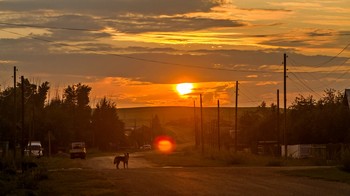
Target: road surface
[{"x": 145, "y": 178}]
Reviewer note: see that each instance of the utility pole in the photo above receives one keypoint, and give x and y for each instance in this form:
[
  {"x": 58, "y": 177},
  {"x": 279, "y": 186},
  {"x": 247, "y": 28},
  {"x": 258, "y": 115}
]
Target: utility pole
[
  {"x": 22, "y": 117},
  {"x": 195, "y": 124},
  {"x": 49, "y": 136},
  {"x": 278, "y": 121},
  {"x": 15, "y": 112},
  {"x": 285, "y": 104},
  {"x": 219, "y": 125},
  {"x": 202, "y": 134},
  {"x": 236, "y": 111}
]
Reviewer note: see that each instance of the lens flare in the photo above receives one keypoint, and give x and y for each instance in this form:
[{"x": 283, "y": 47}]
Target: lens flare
[{"x": 164, "y": 144}]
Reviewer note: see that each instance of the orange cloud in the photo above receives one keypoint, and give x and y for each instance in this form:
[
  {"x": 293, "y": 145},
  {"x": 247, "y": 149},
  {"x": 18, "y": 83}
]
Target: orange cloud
[{"x": 264, "y": 83}]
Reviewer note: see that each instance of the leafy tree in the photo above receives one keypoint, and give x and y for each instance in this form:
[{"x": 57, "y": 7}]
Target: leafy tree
[
  {"x": 34, "y": 100},
  {"x": 322, "y": 121},
  {"x": 76, "y": 100},
  {"x": 301, "y": 120},
  {"x": 108, "y": 129},
  {"x": 259, "y": 125}
]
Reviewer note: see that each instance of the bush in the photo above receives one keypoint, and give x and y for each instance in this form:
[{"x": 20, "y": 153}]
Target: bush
[{"x": 13, "y": 182}]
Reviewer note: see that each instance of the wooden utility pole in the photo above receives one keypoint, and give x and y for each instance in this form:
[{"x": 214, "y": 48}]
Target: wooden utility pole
[
  {"x": 195, "y": 125},
  {"x": 285, "y": 105},
  {"x": 278, "y": 120},
  {"x": 22, "y": 116},
  {"x": 202, "y": 134},
  {"x": 15, "y": 111},
  {"x": 219, "y": 125},
  {"x": 236, "y": 119},
  {"x": 49, "y": 136}
]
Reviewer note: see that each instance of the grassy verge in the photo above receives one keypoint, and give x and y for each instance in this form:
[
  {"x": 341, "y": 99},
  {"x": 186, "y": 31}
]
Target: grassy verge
[
  {"x": 70, "y": 182},
  {"x": 188, "y": 156},
  {"x": 68, "y": 176},
  {"x": 14, "y": 181},
  {"x": 330, "y": 174}
]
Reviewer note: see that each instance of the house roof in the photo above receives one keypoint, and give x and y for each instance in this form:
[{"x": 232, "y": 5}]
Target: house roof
[{"x": 347, "y": 97}]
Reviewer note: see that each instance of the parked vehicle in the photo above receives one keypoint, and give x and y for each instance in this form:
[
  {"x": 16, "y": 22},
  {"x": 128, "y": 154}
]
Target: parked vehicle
[
  {"x": 77, "y": 150},
  {"x": 146, "y": 147},
  {"x": 34, "y": 148}
]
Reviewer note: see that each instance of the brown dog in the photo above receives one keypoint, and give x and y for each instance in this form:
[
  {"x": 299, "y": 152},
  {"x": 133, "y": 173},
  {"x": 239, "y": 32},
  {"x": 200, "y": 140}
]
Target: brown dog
[{"x": 120, "y": 158}]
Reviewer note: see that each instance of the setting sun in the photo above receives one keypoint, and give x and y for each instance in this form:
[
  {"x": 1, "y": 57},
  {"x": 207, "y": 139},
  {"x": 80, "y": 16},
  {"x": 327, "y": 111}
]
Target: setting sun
[{"x": 184, "y": 88}]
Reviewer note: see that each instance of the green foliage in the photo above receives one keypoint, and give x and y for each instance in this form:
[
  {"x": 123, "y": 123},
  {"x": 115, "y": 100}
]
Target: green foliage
[
  {"x": 309, "y": 121},
  {"x": 323, "y": 121},
  {"x": 108, "y": 129}
]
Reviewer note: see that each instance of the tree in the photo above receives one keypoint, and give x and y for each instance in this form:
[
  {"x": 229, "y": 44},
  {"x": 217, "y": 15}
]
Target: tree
[
  {"x": 76, "y": 100},
  {"x": 108, "y": 129},
  {"x": 301, "y": 120},
  {"x": 322, "y": 121},
  {"x": 34, "y": 100}
]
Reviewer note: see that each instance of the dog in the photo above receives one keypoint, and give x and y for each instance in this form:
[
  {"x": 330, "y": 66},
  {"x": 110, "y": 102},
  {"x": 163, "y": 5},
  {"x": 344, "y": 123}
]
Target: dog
[{"x": 120, "y": 158}]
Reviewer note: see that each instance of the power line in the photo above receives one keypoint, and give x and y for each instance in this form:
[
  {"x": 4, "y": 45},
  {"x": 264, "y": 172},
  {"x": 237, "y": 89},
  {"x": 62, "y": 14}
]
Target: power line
[
  {"x": 143, "y": 59},
  {"x": 331, "y": 59},
  {"x": 296, "y": 86},
  {"x": 304, "y": 84},
  {"x": 326, "y": 74},
  {"x": 47, "y": 27}
]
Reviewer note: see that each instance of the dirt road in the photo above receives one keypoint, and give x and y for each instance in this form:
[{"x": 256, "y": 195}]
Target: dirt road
[{"x": 144, "y": 178}]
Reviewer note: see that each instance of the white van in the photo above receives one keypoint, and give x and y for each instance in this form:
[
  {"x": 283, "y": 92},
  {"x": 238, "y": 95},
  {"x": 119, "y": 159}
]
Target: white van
[{"x": 34, "y": 148}]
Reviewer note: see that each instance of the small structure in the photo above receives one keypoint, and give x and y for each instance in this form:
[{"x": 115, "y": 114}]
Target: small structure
[
  {"x": 298, "y": 151},
  {"x": 301, "y": 151}
]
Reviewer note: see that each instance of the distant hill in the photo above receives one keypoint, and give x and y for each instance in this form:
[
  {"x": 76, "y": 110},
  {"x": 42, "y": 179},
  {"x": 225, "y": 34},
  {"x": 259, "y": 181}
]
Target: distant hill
[
  {"x": 143, "y": 115},
  {"x": 179, "y": 121}
]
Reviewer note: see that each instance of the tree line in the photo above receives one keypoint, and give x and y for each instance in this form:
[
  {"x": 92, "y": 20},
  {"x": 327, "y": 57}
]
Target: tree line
[
  {"x": 70, "y": 118},
  {"x": 26, "y": 114},
  {"x": 309, "y": 121}
]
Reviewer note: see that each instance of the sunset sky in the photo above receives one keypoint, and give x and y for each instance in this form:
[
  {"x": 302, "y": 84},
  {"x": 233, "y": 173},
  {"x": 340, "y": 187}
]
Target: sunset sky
[{"x": 134, "y": 52}]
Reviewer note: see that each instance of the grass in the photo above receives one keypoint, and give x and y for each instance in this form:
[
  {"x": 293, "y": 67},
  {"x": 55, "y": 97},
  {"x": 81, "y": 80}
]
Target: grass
[
  {"x": 15, "y": 182},
  {"x": 68, "y": 176},
  {"x": 188, "y": 156},
  {"x": 330, "y": 174},
  {"x": 88, "y": 182}
]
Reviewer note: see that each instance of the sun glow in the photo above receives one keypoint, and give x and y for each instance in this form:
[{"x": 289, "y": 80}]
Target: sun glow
[
  {"x": 164, "y": 144},
  {"x": 184, "y": 88}
]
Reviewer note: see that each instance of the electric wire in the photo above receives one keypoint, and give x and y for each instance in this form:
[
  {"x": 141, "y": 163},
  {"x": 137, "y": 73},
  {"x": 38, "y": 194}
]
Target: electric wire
[
  {"x": 305, "y": 85},
  {"x": 296, "y": 85},
  {"x": 302, "y": 82},
  {"x": 329, "y": 60},
  {"x": 327, "y": 74},
  {"x": 48, "y": 27},
  {"x": 143, "y": 59}
]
